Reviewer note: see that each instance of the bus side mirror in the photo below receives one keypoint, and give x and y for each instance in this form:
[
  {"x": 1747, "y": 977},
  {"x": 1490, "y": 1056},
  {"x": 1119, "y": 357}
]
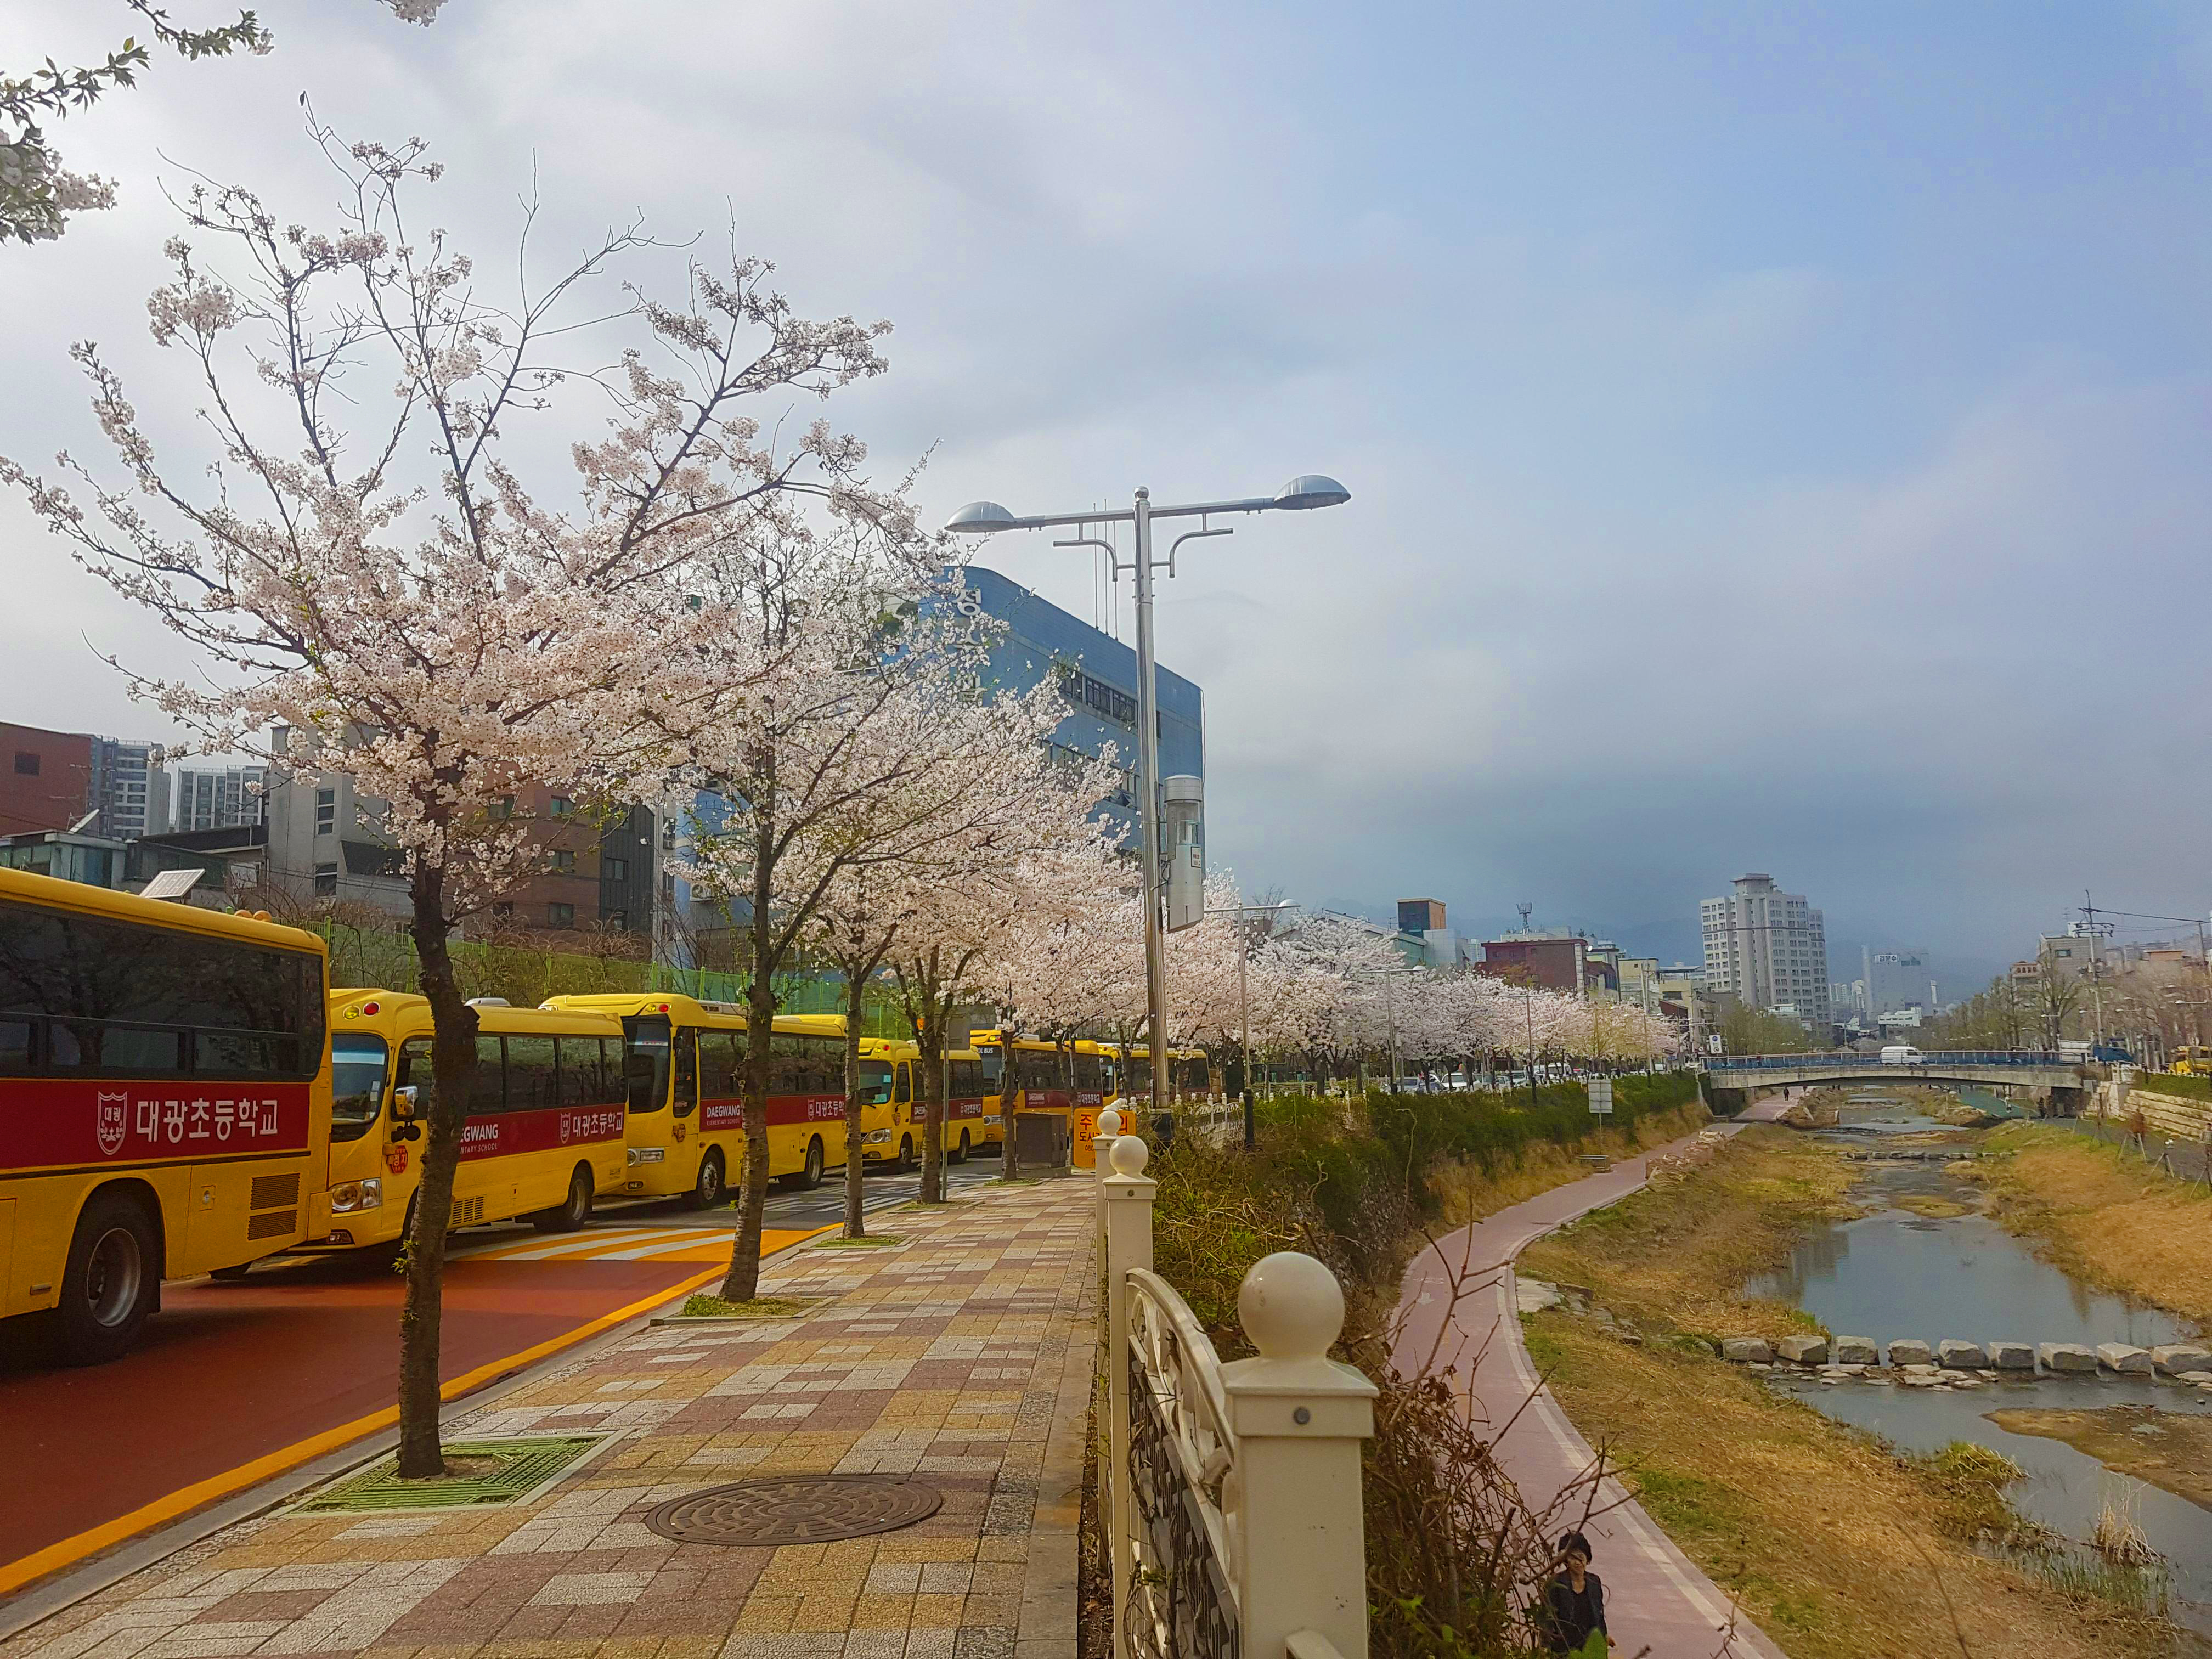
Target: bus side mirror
[{"x": 403, "y": 1108}]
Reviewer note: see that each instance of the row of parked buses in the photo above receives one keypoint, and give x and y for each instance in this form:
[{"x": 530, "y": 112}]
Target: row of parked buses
[{"x": 180, "y": 1094}]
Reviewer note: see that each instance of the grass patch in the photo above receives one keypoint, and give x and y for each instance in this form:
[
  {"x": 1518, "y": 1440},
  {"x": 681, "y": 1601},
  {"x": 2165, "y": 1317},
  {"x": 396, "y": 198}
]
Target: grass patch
[
  {"x": 2103, "y": 1215},
  {"x": 872, "y": 1242},
  {"x": 760, "y": 1306},
  {"x": 1675, "y": 1263}
]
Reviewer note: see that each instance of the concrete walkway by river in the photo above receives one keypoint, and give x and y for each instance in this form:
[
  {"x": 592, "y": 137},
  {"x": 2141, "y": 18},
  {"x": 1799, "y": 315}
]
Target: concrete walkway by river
[{"x": 1656, "y": 1597}]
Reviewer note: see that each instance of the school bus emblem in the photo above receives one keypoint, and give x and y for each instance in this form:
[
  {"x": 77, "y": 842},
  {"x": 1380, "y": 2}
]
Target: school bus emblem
[{"x": 114, "y": 1117}]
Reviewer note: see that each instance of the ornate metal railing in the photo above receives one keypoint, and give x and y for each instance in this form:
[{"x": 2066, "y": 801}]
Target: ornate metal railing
[{"x": 1181, "y": 1601}]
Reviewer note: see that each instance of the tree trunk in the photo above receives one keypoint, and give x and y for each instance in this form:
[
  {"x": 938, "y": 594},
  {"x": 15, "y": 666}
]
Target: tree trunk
[
  {"x": 930, "y": 1038},
  {"x": 452, "y": 1066},
  {"x": 742, "y": 1282},
  {"x": 855, "y": 991}
]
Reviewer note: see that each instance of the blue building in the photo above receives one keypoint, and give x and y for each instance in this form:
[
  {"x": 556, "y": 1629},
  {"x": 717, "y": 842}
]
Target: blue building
[{"x": 1096, "y": 672}]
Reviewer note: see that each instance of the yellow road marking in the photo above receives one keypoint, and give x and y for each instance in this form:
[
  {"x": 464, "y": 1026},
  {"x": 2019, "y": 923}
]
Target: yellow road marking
[{"x": 40, "y": 1563}]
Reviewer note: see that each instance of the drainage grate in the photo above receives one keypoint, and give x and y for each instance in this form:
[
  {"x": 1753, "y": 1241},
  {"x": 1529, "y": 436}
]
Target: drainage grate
[
  {"x": 523, "y": 1469},
  {"x": 807, "y": 1509}
]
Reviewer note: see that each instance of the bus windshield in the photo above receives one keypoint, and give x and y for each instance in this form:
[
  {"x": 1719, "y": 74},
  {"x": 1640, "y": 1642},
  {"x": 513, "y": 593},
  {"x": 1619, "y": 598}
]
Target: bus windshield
[
  {"x": 357, "y": 1066},
  {"x": 645, "y": 1063},
  {"x": 875, "y": 1081}
]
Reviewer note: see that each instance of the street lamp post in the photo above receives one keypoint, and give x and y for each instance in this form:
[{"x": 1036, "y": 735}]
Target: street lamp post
[
  {"x": 1244, "y": 1008},
  {"x": 1308, "y": 490}
]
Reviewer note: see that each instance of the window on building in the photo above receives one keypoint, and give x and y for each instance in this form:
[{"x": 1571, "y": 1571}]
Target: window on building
[
  {"x": 613, "y": 869},
  {"x": 503, "y": 807},
  {"x": 26, "y": 763},
  {"x": 561, "y": 862},
  {"x": 327, "y": 880},
  {"x": 563, "y": 806},
  {"x": 327, "y": 811},
  {"x": 560, "y": 915}
]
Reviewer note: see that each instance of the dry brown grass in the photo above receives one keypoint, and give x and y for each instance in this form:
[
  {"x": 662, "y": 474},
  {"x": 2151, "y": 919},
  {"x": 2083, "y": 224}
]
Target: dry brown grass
[
  {"x": 2102, "y": 1214},
  {"x": 1467, "y": 1194},
  {"x": 1675, "y": 1262},
  {"x": 1834, "y": 1544}
]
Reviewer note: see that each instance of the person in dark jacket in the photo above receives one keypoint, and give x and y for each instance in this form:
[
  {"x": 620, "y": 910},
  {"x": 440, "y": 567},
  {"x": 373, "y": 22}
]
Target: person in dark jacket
[{"x": 1574, "y": 1600}]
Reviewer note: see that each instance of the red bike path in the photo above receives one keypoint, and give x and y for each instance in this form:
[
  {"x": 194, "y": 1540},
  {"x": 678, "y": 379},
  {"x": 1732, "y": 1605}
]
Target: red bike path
[
  {"x": 233, "y": 1382},
  {"x": 1656, "y": 1599}
]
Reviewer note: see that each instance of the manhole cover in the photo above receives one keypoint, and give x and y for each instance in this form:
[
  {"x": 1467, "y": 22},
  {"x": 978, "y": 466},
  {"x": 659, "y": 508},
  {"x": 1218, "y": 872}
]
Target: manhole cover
[{"x": 805, "y": 1509}]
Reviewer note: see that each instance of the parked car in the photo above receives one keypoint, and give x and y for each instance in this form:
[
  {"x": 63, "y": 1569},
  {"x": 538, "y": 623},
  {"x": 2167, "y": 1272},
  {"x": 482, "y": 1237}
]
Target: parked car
[{"x": 1903, "y": 1054}]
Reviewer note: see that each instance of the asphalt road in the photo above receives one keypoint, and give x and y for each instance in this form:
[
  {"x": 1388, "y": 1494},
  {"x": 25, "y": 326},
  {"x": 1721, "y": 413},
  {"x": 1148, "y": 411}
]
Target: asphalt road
[{"x": 234, "y": 1382}]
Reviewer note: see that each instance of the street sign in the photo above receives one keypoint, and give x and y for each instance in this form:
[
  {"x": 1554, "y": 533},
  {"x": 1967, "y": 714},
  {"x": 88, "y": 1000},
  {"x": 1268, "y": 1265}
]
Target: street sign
[{"x": 1601, "y": 1096}]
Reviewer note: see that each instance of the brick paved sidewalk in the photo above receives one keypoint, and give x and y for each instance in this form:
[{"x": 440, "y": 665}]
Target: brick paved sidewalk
[{"x": 964, "y": 1358}]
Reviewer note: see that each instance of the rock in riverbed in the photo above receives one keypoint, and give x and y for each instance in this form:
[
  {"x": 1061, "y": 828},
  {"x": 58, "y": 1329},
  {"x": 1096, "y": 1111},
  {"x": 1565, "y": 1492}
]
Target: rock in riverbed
[
  {"x": 1805, "y": 1350},
  {"x": 1857, "y": 1351},
  {"x": 1907, "y": 1352},
  {"x": 1747, "y": 1351},
  {"x": 2175, "y": 1358},
  {"x": 2125, "y": 1359},
  {"x": 2010, "y": 1356},
  {"x": 2069, "y": 1357},
  {"x": 1954, "y": 1355}
]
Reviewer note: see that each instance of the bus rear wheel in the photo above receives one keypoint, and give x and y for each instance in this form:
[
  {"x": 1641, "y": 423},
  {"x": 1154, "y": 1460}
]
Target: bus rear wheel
[
  {"x": 708, "y": 1190},
  {"x": 810, "y": 1177},
  {"x": 111, "y": 1282},
  {"x": 573, "y": 1210},
  {"x": 961, "y": 1157}
]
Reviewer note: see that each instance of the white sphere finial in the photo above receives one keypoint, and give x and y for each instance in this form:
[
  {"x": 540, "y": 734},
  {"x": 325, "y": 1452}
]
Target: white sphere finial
[
  {"x": 1129, "y": 1156},
  {"x": 1290, "y": 1306},
  {"x": 1110, "y": 1123}
]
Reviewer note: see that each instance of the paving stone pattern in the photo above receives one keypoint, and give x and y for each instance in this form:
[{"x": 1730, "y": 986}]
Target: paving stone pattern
[{"x": 950, "y": 1359}]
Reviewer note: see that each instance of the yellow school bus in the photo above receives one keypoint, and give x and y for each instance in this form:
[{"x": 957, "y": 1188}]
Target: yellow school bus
[
  {"x": 165, "y": 1101},
  {"x": 686, "y": 1068},
  {"x": 964, "y": 1132},
  {"x": 879, "y": 1141},
  {"x": 543, "y": 1136}
]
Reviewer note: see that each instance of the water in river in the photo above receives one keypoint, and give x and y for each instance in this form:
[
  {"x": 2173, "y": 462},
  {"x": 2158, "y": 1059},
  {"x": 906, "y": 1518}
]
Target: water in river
[{"x": 1897, "y": 1273}]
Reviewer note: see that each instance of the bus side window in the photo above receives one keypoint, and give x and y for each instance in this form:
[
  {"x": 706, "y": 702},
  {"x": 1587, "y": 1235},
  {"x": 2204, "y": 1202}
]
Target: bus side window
[
  {"x": 687, "y": 1071},
  {"x": 488, "y": 1094},
  {"x": 904, "y": 1089},
  {"x": 533, "y": 1081}
]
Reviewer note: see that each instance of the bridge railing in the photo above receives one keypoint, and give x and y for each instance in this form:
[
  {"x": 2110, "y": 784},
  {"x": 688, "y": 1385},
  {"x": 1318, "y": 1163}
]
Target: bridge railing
[{"x": 1875, "y": 1063}]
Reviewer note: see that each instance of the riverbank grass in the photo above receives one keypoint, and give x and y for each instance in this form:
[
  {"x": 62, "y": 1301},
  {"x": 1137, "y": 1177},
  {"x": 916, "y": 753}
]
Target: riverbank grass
[
  {"x": 2103, "y": 1214},
  {"x": 1837, "y": 1546}
]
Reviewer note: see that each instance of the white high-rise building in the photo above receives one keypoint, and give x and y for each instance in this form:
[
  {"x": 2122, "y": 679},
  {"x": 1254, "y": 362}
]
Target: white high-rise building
[
  {"x": 210, "y": 798},
  {"x": 1770, "y": 950},
  {"x": 129, "y": 789}
]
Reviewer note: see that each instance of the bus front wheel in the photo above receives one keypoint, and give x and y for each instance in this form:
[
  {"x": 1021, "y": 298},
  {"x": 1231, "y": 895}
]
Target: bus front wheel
[
  {"x": 708, "y": 1190},
  {"x": 572, "y": 1212},
  {"x": 906, "y": 1155},
  {"x": 111, "y": 1282},
  {"x": 810, "y": 1177}
]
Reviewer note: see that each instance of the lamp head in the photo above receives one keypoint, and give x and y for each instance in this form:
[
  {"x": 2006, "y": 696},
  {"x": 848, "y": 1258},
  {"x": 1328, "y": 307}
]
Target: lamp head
[
  {"x": 1310, "y": 489},
  {"x": 979, "y": 518}
]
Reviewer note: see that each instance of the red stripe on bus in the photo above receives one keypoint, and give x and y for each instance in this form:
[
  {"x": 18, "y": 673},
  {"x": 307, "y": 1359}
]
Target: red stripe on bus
[
  {"x": 46, "y": 1122},
  {"x": 505, "y": 1134}
]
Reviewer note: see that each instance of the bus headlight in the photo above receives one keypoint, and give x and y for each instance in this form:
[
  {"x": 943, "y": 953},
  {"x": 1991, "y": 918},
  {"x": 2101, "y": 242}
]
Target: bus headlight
[
  {"x": 350, "y": 1195},
  {"x": 877, "y": 1137},
  {"x": 372, "y": 1193}
]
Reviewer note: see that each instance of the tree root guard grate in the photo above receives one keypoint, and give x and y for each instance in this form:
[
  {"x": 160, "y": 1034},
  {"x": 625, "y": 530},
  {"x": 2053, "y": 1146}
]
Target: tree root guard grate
[
  {"x": 521, "y": 1469},
  {"x": 807, "y": 1508}
]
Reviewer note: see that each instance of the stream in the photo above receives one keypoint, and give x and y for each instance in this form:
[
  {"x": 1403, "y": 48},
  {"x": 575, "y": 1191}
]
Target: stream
[{"x": 1893, "y": 1273}]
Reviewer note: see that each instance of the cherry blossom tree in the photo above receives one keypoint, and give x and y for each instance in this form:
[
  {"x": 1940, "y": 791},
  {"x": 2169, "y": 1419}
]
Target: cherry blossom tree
[
  {"x": 361, "y": 559},
  {"x": 37, "y": 193}
]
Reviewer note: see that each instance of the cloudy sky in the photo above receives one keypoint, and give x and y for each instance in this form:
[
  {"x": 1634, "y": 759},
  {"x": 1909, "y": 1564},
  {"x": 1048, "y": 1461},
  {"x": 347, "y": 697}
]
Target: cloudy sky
[{"x": 1776, "y": 435}]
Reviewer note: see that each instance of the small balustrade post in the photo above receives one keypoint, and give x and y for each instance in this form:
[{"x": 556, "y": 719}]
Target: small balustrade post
[
  {"x": 1126, "y": 1201},
  {"x": 1299, "y": 1416},
  {"x": 1101, "y": 1146}
]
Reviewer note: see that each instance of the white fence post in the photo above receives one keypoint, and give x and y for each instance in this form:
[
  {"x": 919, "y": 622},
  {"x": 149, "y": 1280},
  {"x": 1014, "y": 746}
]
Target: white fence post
[
  {"x": 1299, "y": 1418},
  {"x": 1101, "y": 1146},
  {"x": 1125, "y": 1200}
]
